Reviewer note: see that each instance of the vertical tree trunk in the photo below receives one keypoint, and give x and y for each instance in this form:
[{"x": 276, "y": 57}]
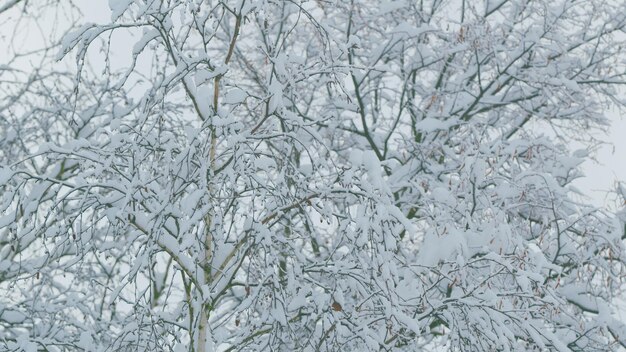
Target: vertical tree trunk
[{"x": 204, "y": 316}]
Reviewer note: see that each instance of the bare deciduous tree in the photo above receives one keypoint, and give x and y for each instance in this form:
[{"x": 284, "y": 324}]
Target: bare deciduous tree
[{"x": 308, "y": 176}]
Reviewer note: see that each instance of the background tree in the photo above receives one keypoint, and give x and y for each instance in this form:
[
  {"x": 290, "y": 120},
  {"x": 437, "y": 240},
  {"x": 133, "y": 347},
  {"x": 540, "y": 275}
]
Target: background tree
[{"x": 309, "y": 175}]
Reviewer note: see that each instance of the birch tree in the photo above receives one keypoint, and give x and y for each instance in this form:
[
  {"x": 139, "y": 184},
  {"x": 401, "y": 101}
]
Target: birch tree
[{"x": 291, "y": 175}]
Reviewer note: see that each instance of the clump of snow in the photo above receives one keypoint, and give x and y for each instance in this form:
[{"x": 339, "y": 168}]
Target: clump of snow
[{"x": 118, "y": 7}]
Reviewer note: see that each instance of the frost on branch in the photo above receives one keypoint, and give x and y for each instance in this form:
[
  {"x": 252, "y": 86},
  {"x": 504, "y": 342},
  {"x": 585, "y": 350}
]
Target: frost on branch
[{"x": 310, "y": 175}]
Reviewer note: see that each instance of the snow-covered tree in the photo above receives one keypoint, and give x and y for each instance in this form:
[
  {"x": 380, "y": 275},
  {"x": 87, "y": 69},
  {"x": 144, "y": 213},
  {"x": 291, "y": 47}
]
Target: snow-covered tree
[{"x": 292, "y": 175}]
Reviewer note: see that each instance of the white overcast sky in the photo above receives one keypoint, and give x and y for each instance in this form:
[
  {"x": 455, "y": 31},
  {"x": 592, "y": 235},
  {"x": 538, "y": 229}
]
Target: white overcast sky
[{"x": 610, "y": 166}]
